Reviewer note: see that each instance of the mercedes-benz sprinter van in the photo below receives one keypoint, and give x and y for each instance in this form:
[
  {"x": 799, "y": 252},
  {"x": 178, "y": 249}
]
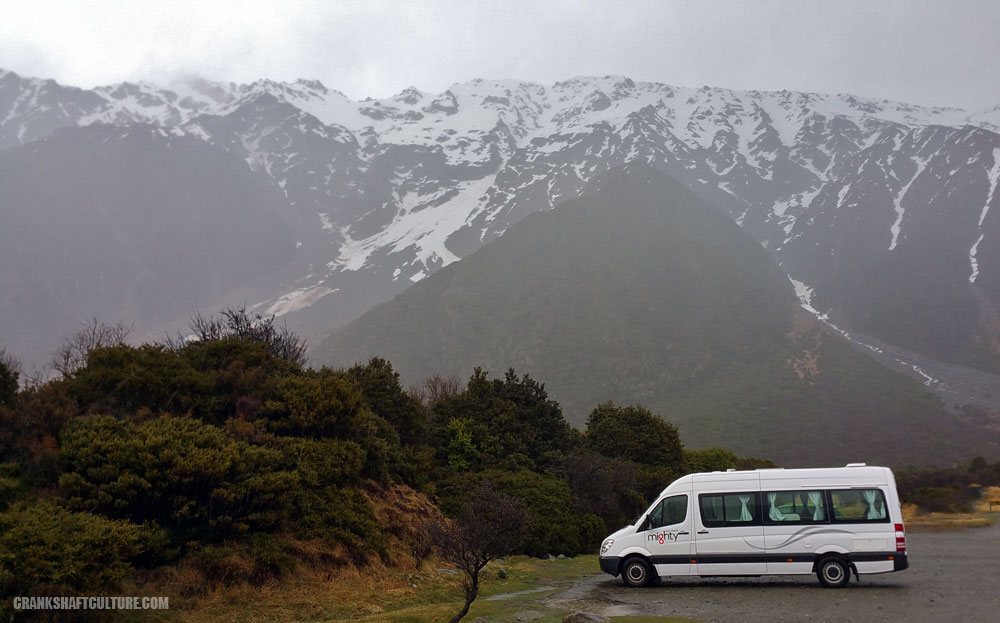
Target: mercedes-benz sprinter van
[{"x": 831, "y": 522}]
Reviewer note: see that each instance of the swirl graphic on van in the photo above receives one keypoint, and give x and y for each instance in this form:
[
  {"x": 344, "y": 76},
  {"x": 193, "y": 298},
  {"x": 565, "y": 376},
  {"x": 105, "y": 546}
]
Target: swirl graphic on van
[{"x": 801, "y": 534}]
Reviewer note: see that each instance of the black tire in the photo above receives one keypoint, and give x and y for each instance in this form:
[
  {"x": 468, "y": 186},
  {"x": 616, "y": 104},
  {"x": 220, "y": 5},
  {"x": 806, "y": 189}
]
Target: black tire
[
  {"x": 637, "y": 572},
  {"x": 833, "y": 572}
]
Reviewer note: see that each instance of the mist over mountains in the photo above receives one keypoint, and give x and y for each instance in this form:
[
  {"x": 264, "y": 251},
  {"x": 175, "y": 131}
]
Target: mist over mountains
[
  {"x": 301, "y": 202},
  {"x": 641, "y": 291}
]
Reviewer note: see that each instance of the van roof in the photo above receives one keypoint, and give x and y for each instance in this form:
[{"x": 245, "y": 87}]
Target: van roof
[{"x": 854, "y": 473}]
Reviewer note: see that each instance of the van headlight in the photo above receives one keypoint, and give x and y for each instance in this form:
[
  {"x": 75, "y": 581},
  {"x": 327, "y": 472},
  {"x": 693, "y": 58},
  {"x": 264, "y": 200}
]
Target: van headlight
[{"x": 606, "y": 546}]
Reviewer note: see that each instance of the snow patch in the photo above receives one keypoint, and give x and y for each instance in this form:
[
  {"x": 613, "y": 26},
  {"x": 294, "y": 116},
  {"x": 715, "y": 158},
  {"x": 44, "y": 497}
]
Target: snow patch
[
  {"x": 898, "y": 203},
  {"x": 324, "y": 219},
  {"x": 298, "y": 299},
  {"x": 973, "y": 261},
  {"x": 994, "y": 177},
  {"x": 425, "y": 230},
  {"x": 805, "y": 294}
]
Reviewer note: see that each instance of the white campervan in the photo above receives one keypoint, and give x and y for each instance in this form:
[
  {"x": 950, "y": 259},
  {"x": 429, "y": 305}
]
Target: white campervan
[{"x": 770, "y": 521}]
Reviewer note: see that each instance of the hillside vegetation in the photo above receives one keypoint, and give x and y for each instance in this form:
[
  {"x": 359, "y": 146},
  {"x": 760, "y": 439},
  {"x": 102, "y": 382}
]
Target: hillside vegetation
[
  {"x": 191, "y": 467},
  {"x": 639, "y": 291}
]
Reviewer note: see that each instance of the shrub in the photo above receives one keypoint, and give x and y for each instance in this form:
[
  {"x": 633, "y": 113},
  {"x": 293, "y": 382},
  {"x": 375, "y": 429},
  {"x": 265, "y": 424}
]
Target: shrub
[
  {"x": 48, "y": 550},
  {"x": 337, "y": 515},
  {"x": 554, "y": 526},
  {"x": 187, "y": 476},
  {"x": 635, "y": 434}
]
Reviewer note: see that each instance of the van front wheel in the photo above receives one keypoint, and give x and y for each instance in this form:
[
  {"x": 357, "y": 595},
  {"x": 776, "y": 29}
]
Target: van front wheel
[
  {"x": 833, "y": 572},
  {"x": 637, "y": 573}
]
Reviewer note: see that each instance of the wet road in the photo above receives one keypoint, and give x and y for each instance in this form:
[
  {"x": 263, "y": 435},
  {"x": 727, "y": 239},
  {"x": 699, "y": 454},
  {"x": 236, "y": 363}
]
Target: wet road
[{"x": 953, "y": 576}]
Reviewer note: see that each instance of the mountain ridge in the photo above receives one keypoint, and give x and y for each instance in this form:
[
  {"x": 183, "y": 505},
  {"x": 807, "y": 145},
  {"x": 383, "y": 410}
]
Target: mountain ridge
[
  {"x": 846, "y": 193},
  {"x": 638, "y": 292}
]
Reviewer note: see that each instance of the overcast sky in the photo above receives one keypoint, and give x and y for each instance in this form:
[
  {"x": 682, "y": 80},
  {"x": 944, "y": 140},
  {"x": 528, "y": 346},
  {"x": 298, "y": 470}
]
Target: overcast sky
[{"x": 941, "y": 53}]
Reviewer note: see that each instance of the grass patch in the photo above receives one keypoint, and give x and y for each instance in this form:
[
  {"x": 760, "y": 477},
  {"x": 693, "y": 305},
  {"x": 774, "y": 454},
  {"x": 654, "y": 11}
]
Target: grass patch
[
  {"x": 982, "y": 516},
  {"x": 374, "y": 594}
]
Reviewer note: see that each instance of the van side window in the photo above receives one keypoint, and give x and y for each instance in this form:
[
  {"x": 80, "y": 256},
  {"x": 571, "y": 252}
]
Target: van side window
[
  {"x": 670, "y": 511},
  {"x": 858, "y": 506},
  {"x": 794, "y": 507},
  {"x": 730, "y": 509}
]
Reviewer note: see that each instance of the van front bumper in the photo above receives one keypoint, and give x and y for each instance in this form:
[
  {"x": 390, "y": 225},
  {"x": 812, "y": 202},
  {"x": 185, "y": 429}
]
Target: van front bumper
[{"x": 610, "y": 564}]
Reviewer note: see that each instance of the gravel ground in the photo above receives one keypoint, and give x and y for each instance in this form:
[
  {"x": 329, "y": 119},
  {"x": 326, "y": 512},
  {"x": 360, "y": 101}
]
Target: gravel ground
[{"x": 953, "y": 576}]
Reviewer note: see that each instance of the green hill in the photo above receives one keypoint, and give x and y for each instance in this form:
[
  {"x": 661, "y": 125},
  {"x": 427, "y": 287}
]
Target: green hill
[{"x": 639, "y": 291}]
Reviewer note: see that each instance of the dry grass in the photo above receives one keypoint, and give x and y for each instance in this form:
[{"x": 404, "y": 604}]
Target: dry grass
[{"x": 979, "y": 518}]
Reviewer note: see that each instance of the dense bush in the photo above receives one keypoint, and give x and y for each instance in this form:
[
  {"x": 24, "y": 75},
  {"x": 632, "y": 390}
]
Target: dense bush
[
  {"x": 507, "y": 423},
  {"x": 178, "y": 472},
  {"x": 8, "y": 381},
  {"x": 719, "y": 460},
  {"x": 48, "y": 550},
  {"x": 947, "y": 489},
  {"x": 555, "y": 525},
  {"x": 379, "y": 384},
  {"x": 636, "y": 434},
  {"x": 225, "y": 456}
]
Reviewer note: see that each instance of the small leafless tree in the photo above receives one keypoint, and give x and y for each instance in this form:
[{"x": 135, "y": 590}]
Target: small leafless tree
[
  {"x": 71, "y": 355},
  {"x": 488, "y": 527},
  {"x": 435, "y": 388},
  {"x": 243, "y": 324},
  {"x": 13, "y": 363}
]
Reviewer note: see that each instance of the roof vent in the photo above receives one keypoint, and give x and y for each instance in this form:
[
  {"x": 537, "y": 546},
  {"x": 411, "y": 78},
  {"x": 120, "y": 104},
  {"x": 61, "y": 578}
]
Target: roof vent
[
  {"x": 730, "y": 470},
  {"x": 856, "y": 465}
]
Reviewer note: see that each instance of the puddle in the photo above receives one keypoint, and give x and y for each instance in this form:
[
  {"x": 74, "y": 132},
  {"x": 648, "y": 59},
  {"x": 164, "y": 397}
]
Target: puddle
[
  {"x": 618, "y": 611},
  {"x": 527, "y": 591}
]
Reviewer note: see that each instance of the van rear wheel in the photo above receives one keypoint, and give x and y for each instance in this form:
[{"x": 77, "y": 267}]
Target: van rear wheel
[
  {"x": 833, "y": 572},
  {"x": 637, "y": 573}
]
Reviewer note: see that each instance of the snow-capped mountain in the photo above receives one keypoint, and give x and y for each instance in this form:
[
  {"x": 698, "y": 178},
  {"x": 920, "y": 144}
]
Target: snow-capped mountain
[{"x": 879, "y": 211}]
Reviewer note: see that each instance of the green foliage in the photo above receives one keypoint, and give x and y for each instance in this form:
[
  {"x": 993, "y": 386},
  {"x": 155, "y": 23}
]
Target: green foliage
[
  {"x": 947, "y": 489},
  {"x": 323, "y": 462},
  {"x": 239, "y": 376},
  {"x": 46, "y": 549},
  {"x": 8, "y": 383},
  {"x": 719, "y": 460},
  {"x": 212, "y": 380},
  {"x": 607, "y": 487},
  {"x": 315, "y": 404},
  {"x": 124, "y": 379},
  {"x": 507, "y": 423},
  {"x": 338, "y": 515},
  {"x": 29, "y": 432},
  {"x": 555, "y": 525},
  {"x": 12, "y": 485},
  {"x": 635, "y": 434},
  {"x": 384, "y": 395},
  {"x": 181, "y": 473}
]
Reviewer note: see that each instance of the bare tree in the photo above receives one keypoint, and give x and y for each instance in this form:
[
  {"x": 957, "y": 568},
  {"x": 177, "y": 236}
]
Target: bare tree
[
  {"x": 71, "y": 355},
  {"x": 489, "y": 526},
  {"x": 243, "y": 324},
  {"x": 435, "y": 388},
  {"x": 9, "y": 360}
]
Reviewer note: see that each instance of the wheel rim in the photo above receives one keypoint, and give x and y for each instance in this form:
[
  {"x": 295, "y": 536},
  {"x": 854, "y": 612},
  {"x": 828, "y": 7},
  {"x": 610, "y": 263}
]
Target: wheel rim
[
  {"x": 833, "y": 572},
  {"x": 636, "y": 572}
]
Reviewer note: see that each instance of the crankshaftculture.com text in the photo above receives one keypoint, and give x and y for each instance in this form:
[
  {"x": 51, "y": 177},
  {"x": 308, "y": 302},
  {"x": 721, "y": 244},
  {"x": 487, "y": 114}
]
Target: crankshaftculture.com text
[{"x": 91, "y": 603}]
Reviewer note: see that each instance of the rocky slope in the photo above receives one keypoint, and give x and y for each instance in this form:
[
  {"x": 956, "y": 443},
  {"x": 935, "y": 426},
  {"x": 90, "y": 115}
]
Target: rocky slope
[
  {"x": 879, "y": 211},
  {"x": 640, "y": 291}
]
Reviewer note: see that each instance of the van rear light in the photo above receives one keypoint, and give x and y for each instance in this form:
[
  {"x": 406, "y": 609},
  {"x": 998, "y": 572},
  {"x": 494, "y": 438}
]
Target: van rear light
[{"x": 900, "y": 538}]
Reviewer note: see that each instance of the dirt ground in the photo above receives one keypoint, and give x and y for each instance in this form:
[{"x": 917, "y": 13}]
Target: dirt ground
[{"x": 953, "y": 576}]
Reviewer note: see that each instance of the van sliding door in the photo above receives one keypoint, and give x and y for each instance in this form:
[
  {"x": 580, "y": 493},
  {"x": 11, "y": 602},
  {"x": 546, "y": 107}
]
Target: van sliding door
[{"x": 729, "y": 529}]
